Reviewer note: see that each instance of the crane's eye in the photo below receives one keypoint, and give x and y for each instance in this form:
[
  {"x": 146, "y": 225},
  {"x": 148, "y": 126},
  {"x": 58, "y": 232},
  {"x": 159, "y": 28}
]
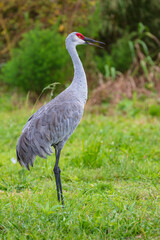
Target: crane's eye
[{"x": 79, "y": 35}]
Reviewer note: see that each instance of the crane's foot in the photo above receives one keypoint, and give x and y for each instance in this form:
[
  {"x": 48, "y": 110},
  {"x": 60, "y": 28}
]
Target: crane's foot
[{"x": 57, "y": 172}]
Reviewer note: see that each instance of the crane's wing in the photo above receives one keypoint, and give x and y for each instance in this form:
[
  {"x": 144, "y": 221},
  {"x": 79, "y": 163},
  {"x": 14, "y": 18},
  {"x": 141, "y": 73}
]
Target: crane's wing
[{"x": 50, "y": 125}]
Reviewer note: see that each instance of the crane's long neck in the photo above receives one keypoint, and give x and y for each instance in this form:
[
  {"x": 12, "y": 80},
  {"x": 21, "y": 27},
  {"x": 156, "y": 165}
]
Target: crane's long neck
[{"x": 79, "y": 82}]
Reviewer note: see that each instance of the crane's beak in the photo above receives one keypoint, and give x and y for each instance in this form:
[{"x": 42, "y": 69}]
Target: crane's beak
[{"x": 92, "y": 42}]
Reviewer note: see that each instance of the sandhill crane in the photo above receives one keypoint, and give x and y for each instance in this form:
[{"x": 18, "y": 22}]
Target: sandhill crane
[{"x": 54, "y": 122}]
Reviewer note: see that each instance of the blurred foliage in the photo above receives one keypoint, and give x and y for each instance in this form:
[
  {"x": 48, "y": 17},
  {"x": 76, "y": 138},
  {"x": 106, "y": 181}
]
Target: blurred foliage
[
  {"x": 154, "y": 110},
  {"x": 39, "y": 59},
  {"x": 122, "y": 58},
  {"x": 129, "y": 51},
  {"x": 124, "y": 41},
  {"x": 18, "y": 17},
  {"x": 120, "y": 16}
]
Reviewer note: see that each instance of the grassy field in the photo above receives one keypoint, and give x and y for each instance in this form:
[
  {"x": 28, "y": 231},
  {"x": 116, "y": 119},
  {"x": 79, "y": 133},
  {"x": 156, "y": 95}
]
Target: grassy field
[{"x": 110, "y": 177}]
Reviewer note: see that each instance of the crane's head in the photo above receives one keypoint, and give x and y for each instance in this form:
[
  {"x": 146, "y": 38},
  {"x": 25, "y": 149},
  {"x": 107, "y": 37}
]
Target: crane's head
[{"x": 76, "y": 38}]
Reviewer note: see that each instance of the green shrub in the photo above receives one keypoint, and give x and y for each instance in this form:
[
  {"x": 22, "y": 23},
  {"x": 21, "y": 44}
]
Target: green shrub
[
  {"x": 119, "y": 58},
  {"x": 124, "y": 52},
  {"x": 38, "y": 61},
  {"x": 154, "y": 110}
]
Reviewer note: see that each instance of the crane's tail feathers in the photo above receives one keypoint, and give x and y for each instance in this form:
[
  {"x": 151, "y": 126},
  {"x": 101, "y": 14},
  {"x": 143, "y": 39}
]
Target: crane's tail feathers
[
  {"x": 28, "y": 149},
  {"x": 23, "y": 161}
]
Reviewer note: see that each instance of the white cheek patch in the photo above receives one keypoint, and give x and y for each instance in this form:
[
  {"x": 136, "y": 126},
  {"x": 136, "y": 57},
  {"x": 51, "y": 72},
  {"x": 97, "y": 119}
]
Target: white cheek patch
[{"x": 80, "y": 41}]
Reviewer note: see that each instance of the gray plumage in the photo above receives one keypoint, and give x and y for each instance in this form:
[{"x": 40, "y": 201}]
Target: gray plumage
[{"x": 54, "y": 123}]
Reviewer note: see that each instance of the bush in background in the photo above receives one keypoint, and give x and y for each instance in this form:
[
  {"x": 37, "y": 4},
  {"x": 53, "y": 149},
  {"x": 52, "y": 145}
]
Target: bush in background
[
  {"x": 131, "y": 51},
  {"x": 119, "y": 57},
  {"x": 38, "y": 61}
]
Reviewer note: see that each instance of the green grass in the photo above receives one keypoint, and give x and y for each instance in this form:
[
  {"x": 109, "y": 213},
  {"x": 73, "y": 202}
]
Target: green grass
[{"x": 110, "y": 177}]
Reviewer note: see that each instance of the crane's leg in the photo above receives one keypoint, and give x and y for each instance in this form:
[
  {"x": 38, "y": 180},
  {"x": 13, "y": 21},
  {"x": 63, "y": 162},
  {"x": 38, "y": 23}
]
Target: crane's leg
[{"x": 57, "y": 172}]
